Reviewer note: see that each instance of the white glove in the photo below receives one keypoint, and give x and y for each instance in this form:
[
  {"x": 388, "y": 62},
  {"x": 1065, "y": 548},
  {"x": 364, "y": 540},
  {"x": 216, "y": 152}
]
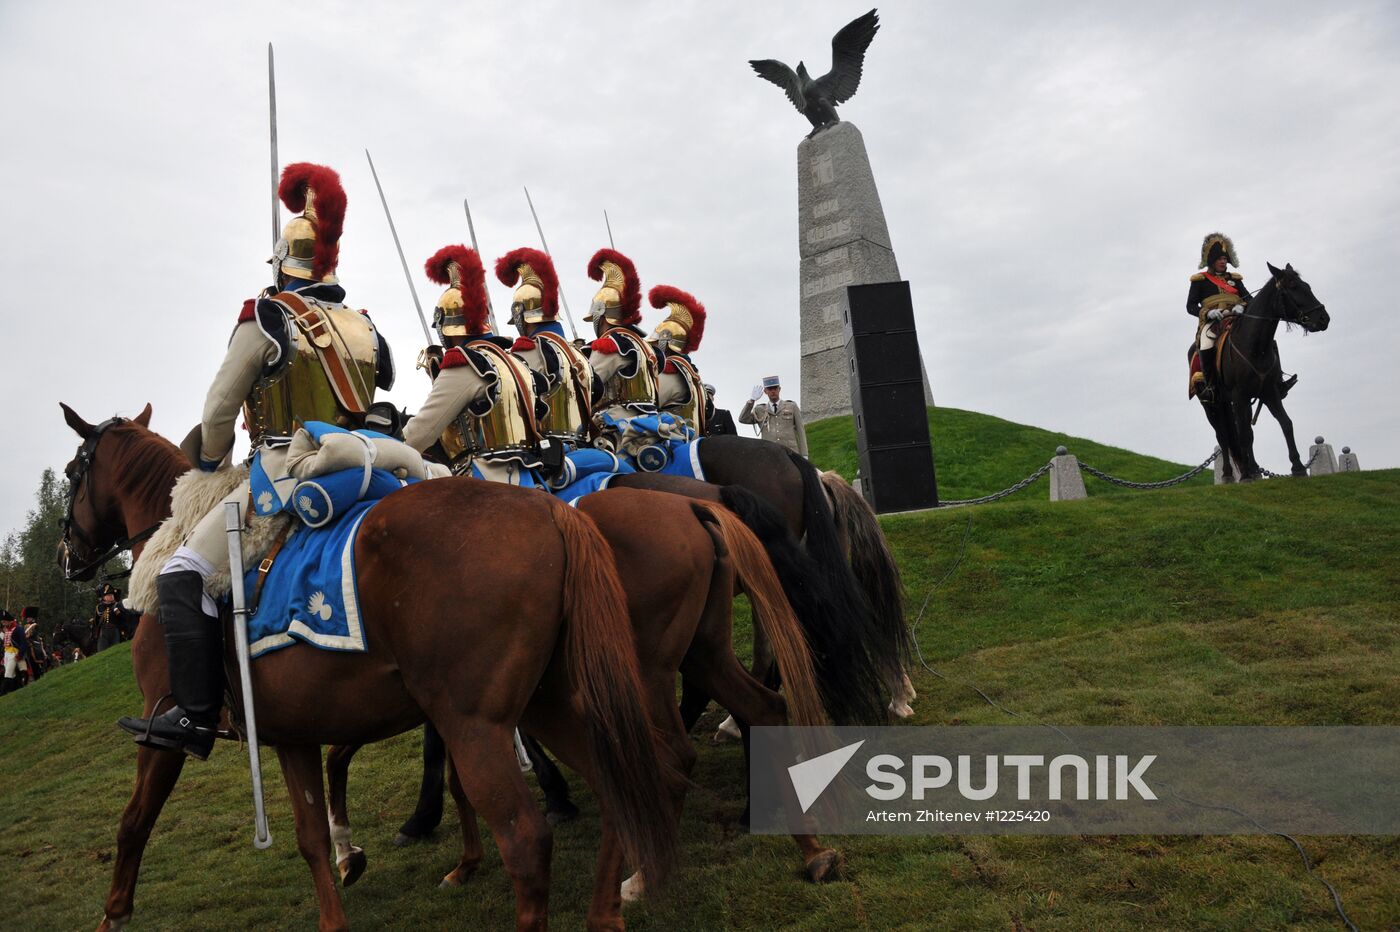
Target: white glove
[
  {"x": 757, "y": 392},
  {"x": 1214, "y": 314}
]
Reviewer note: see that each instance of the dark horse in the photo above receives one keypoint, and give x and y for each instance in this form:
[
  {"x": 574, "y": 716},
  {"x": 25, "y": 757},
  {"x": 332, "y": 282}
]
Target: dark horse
[
  {"x": 546, "y": 639},
  {"x": 1249, "y": 368},
  {"x": 80, "y": 634}
]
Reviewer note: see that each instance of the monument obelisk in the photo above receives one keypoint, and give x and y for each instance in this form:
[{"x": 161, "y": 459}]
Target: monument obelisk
[
  {"x": 842, "y": 236},
  {"x": 843, "y": 240}
]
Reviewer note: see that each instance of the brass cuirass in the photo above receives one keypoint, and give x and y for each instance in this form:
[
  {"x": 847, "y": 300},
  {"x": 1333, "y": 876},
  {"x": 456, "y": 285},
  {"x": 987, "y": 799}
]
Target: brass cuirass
[
  {"x": 570, "y": 407},
  {"x": 640, "y": 386},
  {"x": 302, "y": 390},
  {"x": 692, "y": 410},
  {"x": 507, "y": 426}
]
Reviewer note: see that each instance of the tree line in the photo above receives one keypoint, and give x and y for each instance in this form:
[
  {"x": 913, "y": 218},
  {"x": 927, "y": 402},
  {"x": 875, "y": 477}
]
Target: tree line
[{"x": 29, "y": 571}]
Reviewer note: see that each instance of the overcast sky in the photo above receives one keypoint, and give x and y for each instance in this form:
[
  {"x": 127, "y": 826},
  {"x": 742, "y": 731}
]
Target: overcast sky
[{"x": 1047, "y": 171}]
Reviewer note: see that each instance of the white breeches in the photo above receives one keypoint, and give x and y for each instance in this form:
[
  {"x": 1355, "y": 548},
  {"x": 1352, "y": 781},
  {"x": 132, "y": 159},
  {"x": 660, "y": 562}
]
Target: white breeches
[
  {"x": 11, "y": 664},
  {"x": 1208, "y": 337},
  {"x": 205, "y": 550}
]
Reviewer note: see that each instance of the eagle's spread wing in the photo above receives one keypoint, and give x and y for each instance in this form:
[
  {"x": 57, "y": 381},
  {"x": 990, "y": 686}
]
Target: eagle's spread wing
[
  {"x": 847, "y": 55},
  {"x": 784, "y": 77}
]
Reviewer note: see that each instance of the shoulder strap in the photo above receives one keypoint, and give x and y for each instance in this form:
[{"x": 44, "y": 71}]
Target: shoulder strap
[
  {"x": 505, "y": 361},
  {"x": 576, "y": 365},
  {"x": 317, "y": 328}
]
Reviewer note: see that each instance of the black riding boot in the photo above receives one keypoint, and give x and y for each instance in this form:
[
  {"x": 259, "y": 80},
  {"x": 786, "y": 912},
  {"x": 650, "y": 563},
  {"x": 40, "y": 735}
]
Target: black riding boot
[
  {"x": 1207, "y": 392},
  {"x": 194, "y": 647}
]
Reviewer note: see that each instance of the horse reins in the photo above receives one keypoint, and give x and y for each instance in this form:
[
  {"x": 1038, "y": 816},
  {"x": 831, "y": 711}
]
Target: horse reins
[{"x": 87, "y": 454}]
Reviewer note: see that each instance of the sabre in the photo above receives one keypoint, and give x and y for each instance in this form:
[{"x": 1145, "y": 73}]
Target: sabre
[
  {"x": 427, "y": 337},
  {"x": 563, "y": 300},
  {"x": 611, "y": 244},
  {"x": 471, "y": 228},
  {"x": 272, "y": 120},
  {"x": 233, "y": 525}
]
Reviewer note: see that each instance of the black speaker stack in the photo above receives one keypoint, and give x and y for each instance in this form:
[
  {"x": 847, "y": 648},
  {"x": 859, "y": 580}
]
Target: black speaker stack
[{"x": 887, "y": 398}]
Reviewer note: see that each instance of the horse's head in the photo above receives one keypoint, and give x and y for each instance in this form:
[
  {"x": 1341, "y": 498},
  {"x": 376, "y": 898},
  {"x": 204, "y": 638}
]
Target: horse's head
[
  {"x": 93, "y": 522},
  {"x": 1298, "y": 304}
]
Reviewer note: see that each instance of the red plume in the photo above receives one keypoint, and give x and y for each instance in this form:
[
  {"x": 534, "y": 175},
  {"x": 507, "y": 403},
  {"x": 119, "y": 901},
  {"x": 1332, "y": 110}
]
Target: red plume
[
  {"x": 631, "y": 292},
  {"x": 544, "y": 267},
  {"x": 330, "y": 209},
  {"x": 662, "y": 295},
  {"x": 473, "y": 282}
]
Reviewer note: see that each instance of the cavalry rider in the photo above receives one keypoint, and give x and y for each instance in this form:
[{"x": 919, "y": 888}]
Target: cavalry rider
[
  {"x": 568, "y": 378},
  {"x": 625, "y": 369},
  {"x": 1215, "y": 294},
  {"x": 481, "y": 412},
  {"x": 297, "y": 354},
  {"x": 679, "y": 389}
]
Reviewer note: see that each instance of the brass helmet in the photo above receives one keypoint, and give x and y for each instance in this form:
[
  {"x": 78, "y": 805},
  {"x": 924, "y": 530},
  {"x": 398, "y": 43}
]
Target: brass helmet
[
  {"x": 620, "y": 298},
  {"x": 683, "y": 328},
  {"x": 536, "y": 298},
  {"x": 1216, "y": 245},
  {"x": 461, "y": 311},
  {"x": 310, "y": 245}
]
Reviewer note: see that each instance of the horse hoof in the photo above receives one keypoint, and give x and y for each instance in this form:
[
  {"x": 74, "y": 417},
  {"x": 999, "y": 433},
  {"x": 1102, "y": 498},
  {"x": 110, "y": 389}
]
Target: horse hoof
[
  {"x": 458, "y": 878},
  {"x": 1299, "y": 471},
  {"x": 112, "y": 924},
  {"x": 633, "y": 888},
  {"x": 901, "y": 709},
  {"x": 728, "y": 731},
  {"x": 352, "y": 866},
  {"x": 825, "y": 866},
  {"x": 402, "y": 840},
  {"x": 561, "y": 815}
]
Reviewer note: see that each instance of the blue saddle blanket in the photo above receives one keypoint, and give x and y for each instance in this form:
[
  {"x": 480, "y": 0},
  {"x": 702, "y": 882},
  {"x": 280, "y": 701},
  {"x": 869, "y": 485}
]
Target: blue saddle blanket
[{"x": 310, "y": 594}]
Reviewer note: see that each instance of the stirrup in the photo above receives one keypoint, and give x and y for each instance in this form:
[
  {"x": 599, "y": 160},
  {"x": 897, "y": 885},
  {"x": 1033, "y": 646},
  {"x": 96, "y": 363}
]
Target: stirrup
[{"x": 1287, "y": 386}]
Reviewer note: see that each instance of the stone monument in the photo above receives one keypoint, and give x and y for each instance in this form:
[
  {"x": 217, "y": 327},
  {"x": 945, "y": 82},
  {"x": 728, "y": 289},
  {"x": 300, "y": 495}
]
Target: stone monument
[
  {"x": 842, "y": 236},
  {"x": 842, "y": 240}
]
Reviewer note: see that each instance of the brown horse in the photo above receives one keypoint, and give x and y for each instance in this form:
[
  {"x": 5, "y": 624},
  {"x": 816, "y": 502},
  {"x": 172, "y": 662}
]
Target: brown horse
[
  {"x": 472, "y": 674},
  {"x": 680, "y": 576}
]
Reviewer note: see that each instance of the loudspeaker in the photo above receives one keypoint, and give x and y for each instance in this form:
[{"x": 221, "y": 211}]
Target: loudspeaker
[{"x": 887, "y": 398}]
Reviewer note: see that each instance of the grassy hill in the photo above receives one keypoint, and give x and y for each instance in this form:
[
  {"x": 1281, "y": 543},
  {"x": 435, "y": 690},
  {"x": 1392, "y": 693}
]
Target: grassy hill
[
  {"x": 977, "y": 454},
  {"x": 1110, "y": 610}
]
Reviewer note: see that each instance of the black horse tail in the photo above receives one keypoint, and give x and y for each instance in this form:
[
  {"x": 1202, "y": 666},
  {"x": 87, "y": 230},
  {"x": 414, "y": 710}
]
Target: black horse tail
[
  {"x": 831, "y": 610},
  {"x": 875, "y": 567}
]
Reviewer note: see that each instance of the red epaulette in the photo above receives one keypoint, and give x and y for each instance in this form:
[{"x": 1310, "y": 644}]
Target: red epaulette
[
  {"x": 454, "y": 357},
  {"x": 249, "y": 310},
  {"x": 605, "y": 345},
  {"x": 522, "y": 344}
]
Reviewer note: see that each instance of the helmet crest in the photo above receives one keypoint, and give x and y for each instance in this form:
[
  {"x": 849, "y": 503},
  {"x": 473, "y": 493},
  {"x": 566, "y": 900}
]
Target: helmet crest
[
  {"x": 316, "y": 191},
  {"x": 685, "y": 311},
  {"x": 508, "y": 271},
  {"x": 631, "y": 285},
  {"x": 459, "y": 268}
]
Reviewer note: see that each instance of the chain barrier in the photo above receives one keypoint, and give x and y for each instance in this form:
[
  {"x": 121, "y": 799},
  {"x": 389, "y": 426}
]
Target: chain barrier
[
  {"x": 1164, "y": 484},
  {"x": 950, "y": 503},
  {"x": 1306, "y": 466}
]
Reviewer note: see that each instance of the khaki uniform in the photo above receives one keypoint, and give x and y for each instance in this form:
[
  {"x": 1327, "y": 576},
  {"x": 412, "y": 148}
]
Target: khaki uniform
[{"x": 780, "y": 423}]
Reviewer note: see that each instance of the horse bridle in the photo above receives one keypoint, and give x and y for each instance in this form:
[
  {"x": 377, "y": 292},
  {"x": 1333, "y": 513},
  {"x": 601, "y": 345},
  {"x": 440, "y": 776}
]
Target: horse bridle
[{"x": 77, "y": 474}]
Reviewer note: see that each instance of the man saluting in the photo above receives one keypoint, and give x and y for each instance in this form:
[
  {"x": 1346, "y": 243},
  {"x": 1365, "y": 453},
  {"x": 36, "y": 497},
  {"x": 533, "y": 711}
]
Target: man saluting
[{"x": 778, "y": 419}]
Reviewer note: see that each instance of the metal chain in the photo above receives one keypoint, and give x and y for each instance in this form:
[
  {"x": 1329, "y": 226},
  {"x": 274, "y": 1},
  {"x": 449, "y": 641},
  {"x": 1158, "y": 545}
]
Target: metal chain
[
  {"x": 1164, "y": 484},
  {"x": 1307, "y": 465},
  {"x": 949, "y": 503}
]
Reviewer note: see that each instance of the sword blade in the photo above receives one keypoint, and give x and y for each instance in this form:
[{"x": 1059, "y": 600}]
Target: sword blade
[
  {"x": 471, "y": 228},
  {"x": 562, "y": 300},
  {"x": 233, "y": 526},
  {"x": 608, "y": 224},
  {"x": 272, "y": 121},
  {"x": 427, "y": 336}
]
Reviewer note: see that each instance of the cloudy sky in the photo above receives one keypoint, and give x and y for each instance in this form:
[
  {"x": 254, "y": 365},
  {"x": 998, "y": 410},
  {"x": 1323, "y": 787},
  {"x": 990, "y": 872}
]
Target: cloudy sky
[{"x": 1047, "y": 171}]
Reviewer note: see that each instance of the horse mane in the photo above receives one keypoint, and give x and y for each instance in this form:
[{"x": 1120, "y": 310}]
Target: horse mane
[{"x": 148, "y": 463}]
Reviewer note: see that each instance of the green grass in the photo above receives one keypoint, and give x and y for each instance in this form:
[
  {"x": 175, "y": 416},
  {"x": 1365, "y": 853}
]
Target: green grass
[
  {"x": 1274, "y": 603},
  {"x": 977, "y": 454}
]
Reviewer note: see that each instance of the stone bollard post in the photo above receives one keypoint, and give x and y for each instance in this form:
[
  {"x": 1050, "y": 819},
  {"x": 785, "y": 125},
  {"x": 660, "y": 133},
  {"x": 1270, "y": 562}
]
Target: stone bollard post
[
  {"x": 1347, "y": 461},
  {"x": 1066, "y": 484},
  {"x": 1219, "y": 468},
  {"x": 1324, "y": 461}
]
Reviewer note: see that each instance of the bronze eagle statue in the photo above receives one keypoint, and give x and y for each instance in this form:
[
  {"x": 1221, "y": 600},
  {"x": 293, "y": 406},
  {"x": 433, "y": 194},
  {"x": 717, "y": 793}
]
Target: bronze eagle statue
[{"x": 817, "y": 99}]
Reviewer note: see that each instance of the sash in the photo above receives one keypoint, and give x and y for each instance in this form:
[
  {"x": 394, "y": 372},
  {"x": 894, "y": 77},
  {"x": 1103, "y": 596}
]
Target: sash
[{"x": 1222, "y": 285}]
